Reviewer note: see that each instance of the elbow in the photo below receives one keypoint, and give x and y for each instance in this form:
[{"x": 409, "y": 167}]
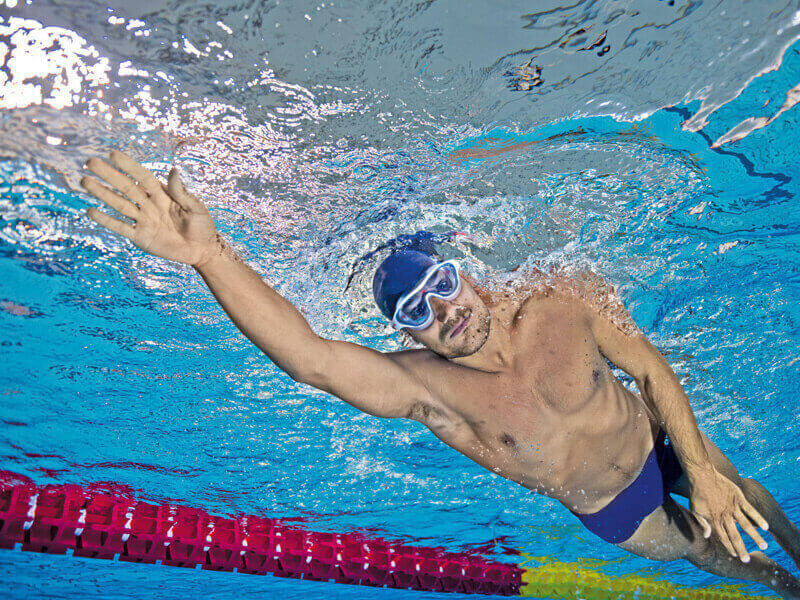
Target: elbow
[
  {"x": 660, "y": 389},
  {"x": 299, "y": 375},
  {"x": 658, "y": 377},
  {"x": 645, "y": 383},
  {"x": 648, "y": 392},
  {"x": 650, "y": 383},
  {"x": 308, "y": 377},
  {"x": 655, "y": 373}
]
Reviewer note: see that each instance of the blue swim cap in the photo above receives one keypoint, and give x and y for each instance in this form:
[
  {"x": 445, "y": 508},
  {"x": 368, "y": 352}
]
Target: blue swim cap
[{"x": 396, "y": 275}]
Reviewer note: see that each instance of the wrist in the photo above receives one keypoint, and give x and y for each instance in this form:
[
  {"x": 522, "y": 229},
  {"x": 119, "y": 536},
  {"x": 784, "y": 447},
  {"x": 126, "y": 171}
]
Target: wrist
[
  {"x": 212, "y": 253},
  {"x": 700, "y": 473}
]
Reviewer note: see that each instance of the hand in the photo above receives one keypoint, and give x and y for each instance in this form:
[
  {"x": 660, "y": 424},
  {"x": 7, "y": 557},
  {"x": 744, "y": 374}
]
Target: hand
[
  {"x": 167, "y": 220},
  {"x": 718, "y": 503}
]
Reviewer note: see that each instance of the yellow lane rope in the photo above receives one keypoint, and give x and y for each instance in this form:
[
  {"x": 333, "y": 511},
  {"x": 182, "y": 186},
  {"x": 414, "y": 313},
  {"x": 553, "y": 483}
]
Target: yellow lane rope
[{"x": 544, "y": 578}]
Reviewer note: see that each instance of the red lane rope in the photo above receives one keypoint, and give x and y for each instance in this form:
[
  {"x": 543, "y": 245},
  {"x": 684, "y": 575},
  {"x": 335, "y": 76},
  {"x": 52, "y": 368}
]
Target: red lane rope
[{"x": 56, "y": 519}]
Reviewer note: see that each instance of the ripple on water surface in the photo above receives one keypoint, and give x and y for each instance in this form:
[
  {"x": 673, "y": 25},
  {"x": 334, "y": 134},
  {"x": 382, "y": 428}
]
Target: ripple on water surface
[{"x": 650, "y": 143}]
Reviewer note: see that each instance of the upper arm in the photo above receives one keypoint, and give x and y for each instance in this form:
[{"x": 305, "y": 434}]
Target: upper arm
[
  {"x": 658, "y": 385},
  {"x": 378, "y": 383},
  {"x": 631, "y": 352},
  {"x": 621, "y": 342}
]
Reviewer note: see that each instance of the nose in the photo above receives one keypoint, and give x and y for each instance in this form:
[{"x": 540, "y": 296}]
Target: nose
[{"x": 442, "y": 309}]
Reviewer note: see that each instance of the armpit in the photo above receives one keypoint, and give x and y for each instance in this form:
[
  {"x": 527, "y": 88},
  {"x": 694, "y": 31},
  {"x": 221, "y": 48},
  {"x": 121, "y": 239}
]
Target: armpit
[
  {"x": 430, "y": 416},
  {"x": 419, "y": 411}
]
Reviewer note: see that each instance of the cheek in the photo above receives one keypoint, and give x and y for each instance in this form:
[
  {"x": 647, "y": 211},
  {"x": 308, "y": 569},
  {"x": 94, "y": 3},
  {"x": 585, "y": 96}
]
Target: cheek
[
  {"x": 430, "y": 335},
  {"x": 470, "y": 296}
]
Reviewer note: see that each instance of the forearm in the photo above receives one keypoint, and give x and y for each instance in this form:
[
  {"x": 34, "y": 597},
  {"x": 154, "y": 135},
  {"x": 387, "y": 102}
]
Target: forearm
[
  {"x": 675, "y": 415},
  {"x": 716, "y": 502},
  {"x": 264, "y": 316},
  {"x": 714, "y": 499}
]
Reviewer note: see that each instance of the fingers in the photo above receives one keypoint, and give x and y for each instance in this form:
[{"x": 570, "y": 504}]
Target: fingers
[
  {"x": 137, "y": 172},
  {"x": 177, "y": 192},
  {"x": 727, "y": 536},
  {"x": 751, "y": 512},
  {"x": 115, "y": 201},
  {"x": 115, "y": 225},
  {"x": 745, "y": 524},
  {"x": 705, "y": 524},
  {"x": 736, "y": 540},
  {"x": 118, "y": 180},
  {"x": 723, "y": 538}
]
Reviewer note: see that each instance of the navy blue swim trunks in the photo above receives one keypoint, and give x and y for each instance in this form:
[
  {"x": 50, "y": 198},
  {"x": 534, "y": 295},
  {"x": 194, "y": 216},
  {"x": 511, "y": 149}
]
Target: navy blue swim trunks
[{"x": 620, "y": 518}]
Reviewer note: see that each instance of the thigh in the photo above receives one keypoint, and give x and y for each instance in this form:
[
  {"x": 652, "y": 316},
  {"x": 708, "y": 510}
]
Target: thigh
[
  {"x": 668, "y": 533},
  {"x": 721, "y": 462}
]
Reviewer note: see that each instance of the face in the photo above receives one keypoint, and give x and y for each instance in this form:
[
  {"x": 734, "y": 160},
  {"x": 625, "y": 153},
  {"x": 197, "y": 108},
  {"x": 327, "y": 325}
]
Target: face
[{"x": 449, "y": 335}]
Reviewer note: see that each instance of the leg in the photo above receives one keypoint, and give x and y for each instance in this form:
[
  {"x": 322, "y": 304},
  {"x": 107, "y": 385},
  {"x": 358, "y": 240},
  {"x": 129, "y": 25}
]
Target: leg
[
  {"x": 782, "y": 529},
  {"x": 671, "y": 532}
]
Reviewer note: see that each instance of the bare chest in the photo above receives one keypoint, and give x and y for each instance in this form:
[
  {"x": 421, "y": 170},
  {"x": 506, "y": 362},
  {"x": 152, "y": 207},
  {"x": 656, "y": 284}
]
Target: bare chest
[
  {"x": 550, "y": 396},
  {"x": 556, "y": 420}
]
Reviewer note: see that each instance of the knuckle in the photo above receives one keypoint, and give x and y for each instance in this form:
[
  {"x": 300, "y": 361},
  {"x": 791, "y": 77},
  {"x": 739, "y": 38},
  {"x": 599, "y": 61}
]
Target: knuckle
[{"x": 129, "y": 189}]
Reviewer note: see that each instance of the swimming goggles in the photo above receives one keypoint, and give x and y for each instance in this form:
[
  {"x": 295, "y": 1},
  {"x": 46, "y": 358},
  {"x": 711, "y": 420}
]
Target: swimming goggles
[{"x": 413, "y": 309}]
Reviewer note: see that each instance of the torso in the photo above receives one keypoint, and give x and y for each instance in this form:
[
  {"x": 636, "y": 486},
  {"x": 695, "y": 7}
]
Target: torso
[{"x": 557, "y": 421}]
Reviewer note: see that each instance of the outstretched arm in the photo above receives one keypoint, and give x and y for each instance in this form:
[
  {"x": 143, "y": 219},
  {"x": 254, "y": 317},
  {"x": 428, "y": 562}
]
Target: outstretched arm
[
  {"x": 714, "y": 499},
  {"x": 169, "y": 222},
  {"x": 381, "y": 384}
]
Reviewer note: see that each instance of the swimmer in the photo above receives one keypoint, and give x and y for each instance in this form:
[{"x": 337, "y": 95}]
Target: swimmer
[{"x": 518, "y": 383}]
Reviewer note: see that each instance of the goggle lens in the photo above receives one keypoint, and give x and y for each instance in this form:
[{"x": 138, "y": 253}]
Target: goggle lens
[{"x": 442, "y": 282}]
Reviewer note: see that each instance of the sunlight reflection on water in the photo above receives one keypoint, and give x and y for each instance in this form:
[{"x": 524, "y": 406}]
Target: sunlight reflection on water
[{"x": 317, "y": 133}]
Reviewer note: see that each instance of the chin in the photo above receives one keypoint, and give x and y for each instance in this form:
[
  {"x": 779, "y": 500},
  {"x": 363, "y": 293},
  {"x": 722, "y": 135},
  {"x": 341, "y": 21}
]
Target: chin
[
  {"x": 471, "y": 340},
  {"x": 468, "y": 348}
]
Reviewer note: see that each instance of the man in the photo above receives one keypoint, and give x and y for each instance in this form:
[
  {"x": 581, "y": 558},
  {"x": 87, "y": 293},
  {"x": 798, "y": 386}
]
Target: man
[{"x": 519, "y": 384}]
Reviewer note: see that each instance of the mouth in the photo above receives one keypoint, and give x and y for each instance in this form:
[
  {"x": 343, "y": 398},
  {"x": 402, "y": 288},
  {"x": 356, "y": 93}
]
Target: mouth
[{"x": 460, "y": 327}]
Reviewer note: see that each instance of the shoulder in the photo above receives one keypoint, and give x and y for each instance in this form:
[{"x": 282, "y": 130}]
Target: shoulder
[
  {"x": 531, "y": 304},
  {"x": 425, "y": 366},
  {"x": 579, "y": 294},
  {"x": 418, "y": 361},
  {"x": 430, "y": 368}
]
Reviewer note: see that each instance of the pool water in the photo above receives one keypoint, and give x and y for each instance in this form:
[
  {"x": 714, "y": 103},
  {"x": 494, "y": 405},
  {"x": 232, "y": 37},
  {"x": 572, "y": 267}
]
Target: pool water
[{"x": 654, "y": 142}]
